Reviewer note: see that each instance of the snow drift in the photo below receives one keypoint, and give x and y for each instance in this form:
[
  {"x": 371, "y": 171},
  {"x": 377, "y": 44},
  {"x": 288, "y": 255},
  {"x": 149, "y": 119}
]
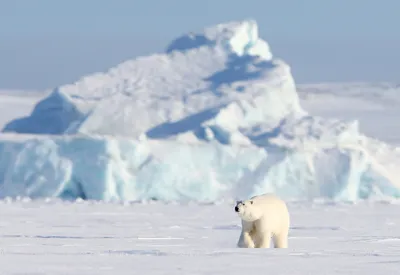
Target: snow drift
[{"x": 215, "y": 116}]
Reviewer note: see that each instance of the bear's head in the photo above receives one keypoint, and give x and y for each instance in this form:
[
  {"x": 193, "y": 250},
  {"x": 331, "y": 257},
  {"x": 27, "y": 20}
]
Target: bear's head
[{"x": 248, "y": 210}]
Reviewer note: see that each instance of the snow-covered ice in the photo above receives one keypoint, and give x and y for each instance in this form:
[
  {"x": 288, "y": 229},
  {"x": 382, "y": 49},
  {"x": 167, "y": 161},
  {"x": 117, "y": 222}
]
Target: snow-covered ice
[
  {"x": 96, "y": 238},
  {"x": 223, "y": 70},
  {"x": 216, "y": 116}
]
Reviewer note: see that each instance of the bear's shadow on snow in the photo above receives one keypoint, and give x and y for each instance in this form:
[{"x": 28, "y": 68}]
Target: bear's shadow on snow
[
  {"x": 153, "y": 252},
  {"x": 314, "y": 228},
  {"x": 227, "y": 227}
]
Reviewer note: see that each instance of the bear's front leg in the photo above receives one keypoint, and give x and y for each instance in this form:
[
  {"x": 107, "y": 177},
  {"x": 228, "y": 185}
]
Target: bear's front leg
[
  {"x": 263, "y": 239},
  {"x": 245, "y": 240},
  {"x": 246, "y": 236}
]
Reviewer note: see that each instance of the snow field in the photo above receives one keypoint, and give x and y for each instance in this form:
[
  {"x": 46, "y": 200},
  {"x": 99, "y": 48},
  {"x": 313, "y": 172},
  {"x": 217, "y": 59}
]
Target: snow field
[{"x": 56, "y": 237}]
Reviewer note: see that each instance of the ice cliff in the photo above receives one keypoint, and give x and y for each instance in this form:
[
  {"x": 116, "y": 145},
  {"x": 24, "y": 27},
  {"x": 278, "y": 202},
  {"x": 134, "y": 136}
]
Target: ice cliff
[
  {"x": 104, "y": 168},
  {"x": 214, "y": 116}
]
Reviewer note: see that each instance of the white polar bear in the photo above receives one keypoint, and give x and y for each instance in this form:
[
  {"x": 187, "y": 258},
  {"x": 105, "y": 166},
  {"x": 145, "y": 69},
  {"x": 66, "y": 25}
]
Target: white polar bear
[{"x": 263, "y": 217}]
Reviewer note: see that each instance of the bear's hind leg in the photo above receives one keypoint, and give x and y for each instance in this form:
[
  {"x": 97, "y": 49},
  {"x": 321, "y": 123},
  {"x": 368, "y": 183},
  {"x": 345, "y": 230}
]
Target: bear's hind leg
[
  {"x": 280, "y": 241},
  {"x": 264, "y": 240}
]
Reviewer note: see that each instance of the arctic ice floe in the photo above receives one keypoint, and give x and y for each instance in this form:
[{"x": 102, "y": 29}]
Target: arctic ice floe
[{"x": 215, "y": 116}]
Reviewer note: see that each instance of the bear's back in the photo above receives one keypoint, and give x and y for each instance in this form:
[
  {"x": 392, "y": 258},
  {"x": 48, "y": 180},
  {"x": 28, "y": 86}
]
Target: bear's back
[
  {"x": 274, "y": 209},
  {"x": 268, "y": 198}
]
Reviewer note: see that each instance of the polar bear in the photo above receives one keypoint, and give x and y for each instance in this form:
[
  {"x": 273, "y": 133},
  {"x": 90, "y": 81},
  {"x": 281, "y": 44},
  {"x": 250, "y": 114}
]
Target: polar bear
[{"x": 263, "y": 217}]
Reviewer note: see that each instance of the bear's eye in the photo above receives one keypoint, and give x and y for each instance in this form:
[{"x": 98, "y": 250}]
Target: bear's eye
[{"x": 251, "y": 202}]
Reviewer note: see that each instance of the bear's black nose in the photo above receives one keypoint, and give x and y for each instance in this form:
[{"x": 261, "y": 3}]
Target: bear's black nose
[{"x": 236, "y": 209}]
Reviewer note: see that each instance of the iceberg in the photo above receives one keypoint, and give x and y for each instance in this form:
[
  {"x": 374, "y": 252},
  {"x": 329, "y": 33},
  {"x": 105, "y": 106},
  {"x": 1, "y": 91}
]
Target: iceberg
[
  {"x": 197, "y": 78},
  {"x": 216, "y": 116}
]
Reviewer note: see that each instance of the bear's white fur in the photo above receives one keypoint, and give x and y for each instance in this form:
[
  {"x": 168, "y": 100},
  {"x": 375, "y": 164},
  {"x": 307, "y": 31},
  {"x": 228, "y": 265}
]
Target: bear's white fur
[{"x": 263, "y": 217}]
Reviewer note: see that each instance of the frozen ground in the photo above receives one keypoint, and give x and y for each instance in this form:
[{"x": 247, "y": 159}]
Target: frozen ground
[{"x": 95, "y": 238}]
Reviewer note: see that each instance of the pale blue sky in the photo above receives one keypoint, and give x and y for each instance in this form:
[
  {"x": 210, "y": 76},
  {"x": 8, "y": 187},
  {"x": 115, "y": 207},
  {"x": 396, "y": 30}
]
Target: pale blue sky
[{"x": 45, "y": 43}]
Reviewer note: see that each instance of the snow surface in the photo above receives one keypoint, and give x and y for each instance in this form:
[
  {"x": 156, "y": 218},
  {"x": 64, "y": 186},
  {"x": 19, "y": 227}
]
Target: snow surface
[
  {"x": 96, "y": 238},
  {"x": 216, "y": 116}
]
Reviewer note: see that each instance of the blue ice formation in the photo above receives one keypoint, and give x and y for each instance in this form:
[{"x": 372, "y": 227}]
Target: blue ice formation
[{"x": 214, "y": 117}]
